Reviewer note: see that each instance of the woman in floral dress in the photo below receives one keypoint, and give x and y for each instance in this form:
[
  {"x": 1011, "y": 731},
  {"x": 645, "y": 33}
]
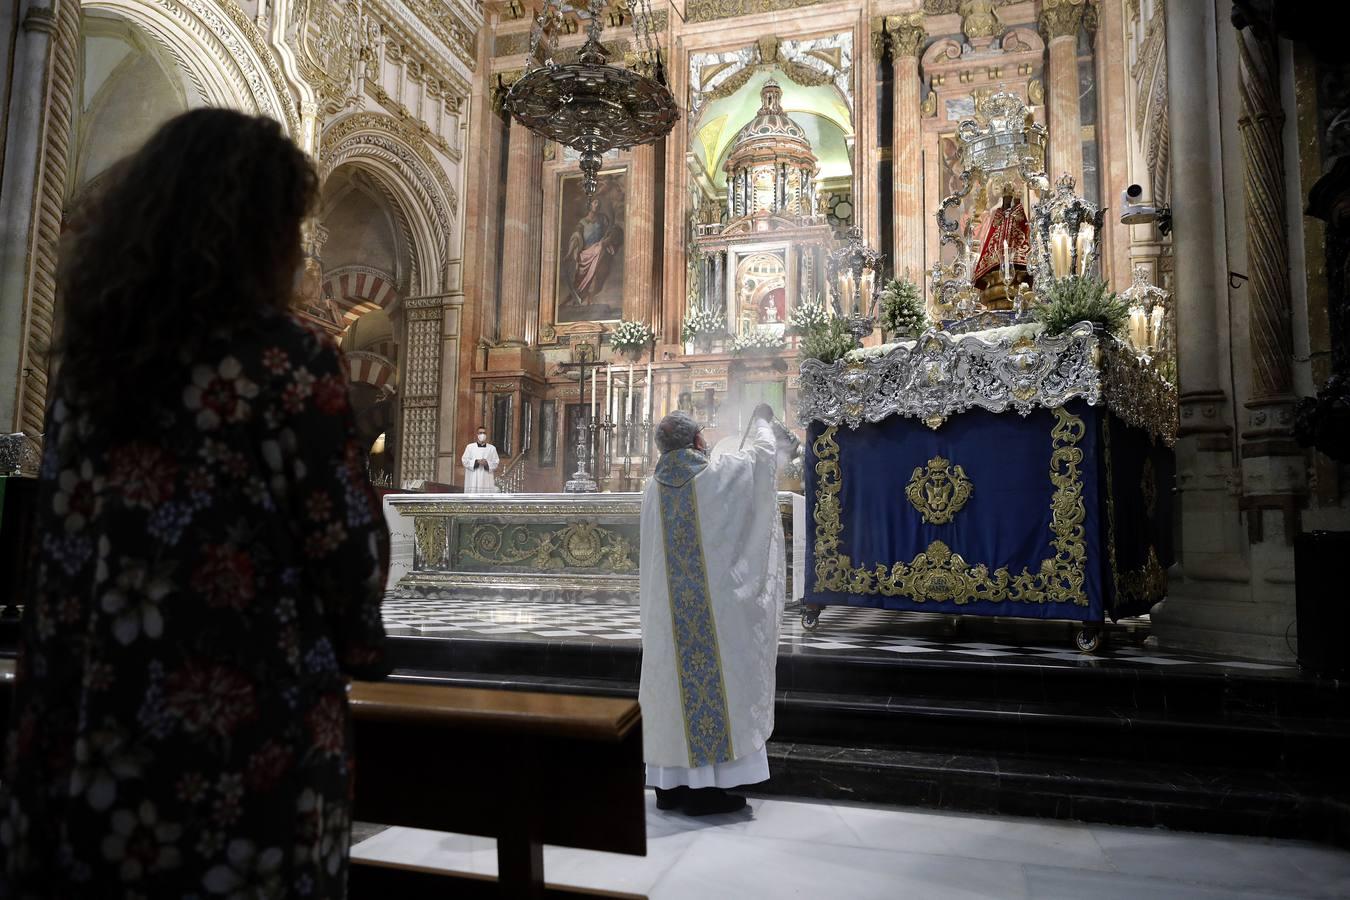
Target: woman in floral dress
[{"x": 211, "y": 556}]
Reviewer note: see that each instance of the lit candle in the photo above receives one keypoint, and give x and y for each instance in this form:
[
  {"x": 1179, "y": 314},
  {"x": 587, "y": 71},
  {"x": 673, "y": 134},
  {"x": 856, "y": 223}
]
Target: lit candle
[
  {"x": 867, "y": 278},
  {"x": 1138, "y": 329},
  {"x": 609, "y": 391},
  {"x": 1085, "y": 234},
  {"x": 1155, "y": 331},
  {"x": 1059, "y": 250},
  {"x": 843, "y": 291},
  {"x": 850, "y": 291},
  {"x": 647, "y": 396},
  {"x": 592, "y": 395}
]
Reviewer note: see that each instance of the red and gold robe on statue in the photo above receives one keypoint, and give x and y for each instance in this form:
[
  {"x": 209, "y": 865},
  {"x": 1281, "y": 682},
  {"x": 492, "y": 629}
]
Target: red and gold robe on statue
[{"x": 1005, "y": 224}]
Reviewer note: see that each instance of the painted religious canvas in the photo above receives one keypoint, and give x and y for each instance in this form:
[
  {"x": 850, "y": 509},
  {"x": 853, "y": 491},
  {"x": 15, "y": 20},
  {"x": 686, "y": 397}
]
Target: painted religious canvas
[{"x": 590, "y": 249}]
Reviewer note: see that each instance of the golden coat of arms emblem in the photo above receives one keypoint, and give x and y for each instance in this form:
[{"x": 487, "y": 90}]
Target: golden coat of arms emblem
[{"x": 939, "y": 490}]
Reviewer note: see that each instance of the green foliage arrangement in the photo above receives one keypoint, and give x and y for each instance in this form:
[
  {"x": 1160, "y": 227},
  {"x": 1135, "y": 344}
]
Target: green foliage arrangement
[
  {"x": 1080, "y": 299},
  {"x": 808, "y": 314},
  {"x": 702, "y": 321},
  {"x": 630, "y": 336},
  {"x": 827, "y": 342},
  {"x": 902, "y": 312},
  {"x": 752, "y": 341}
]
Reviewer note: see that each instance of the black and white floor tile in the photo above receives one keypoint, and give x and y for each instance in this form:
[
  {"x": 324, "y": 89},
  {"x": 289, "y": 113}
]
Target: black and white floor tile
[{"x": 841, "y": 630}]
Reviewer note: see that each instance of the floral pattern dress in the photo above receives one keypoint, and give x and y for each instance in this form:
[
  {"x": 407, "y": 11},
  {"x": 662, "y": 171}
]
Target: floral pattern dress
[{"x": 201, "y": 594}]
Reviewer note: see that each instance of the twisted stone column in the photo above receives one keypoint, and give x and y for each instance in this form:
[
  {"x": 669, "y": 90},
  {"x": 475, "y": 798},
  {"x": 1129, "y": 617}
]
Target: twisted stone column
[
  {"x": 1060, "y": 21},
  {"x": 1270, "y": 303},
  {"x": 519, "y": 234},
  {"x": 640, "y": 237},
  {"x": 36, "y": 163},
  {"x": 907, "y": 37}
]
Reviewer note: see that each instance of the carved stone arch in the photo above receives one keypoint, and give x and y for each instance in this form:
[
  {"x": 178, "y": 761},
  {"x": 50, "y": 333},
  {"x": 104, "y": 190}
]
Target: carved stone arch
[
  {"x": 359, "y": 289},
  {"x": 222, "y": 53},
  {"x": 402, "y": 165},
  {"x": 400, "y": 162},
  {"x": 407, "y": 266}
]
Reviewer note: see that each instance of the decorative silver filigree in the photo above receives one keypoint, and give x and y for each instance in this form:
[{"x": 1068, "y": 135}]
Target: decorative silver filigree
[{"x": 942, "y": 375}]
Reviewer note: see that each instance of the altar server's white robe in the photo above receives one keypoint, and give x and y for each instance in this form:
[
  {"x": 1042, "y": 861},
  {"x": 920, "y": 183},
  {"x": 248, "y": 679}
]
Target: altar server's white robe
[
  {"x": 712, "y": 584},
  {"x": 479, "y": 481}
]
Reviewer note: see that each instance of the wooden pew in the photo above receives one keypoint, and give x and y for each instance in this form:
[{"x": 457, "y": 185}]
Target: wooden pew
[{"x": 527, "y": 769}]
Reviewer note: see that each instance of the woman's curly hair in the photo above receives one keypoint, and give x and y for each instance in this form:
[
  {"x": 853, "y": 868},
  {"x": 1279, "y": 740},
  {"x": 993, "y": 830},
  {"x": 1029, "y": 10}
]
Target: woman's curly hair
[{"x": 194, "y": 236}]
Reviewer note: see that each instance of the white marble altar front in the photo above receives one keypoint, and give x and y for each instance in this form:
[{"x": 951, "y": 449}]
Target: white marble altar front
[{"x": 577, "y": 547}]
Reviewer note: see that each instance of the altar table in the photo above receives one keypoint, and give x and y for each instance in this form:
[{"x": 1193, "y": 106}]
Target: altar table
[
  {"x": 1027, "y": 477},
  {"x": 575, "y": 547}
]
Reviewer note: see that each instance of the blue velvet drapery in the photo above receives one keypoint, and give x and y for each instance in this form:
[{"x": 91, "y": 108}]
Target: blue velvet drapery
[{"x": 1037, "y": 563}]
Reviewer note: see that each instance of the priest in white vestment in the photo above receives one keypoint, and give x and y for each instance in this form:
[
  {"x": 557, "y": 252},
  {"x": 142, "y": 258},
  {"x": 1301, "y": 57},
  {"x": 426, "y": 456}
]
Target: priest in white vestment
[
  {"x": 712, "y": 585},
  {"x": 480, "y": 461}
]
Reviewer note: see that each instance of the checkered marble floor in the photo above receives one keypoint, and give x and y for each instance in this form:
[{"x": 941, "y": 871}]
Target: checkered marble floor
[{"x": 844, "y": 630}]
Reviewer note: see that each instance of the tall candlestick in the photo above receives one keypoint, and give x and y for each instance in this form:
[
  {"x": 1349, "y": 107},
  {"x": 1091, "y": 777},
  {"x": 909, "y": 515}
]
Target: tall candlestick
[
  {"x": 647, "y": 396},
  {"x": 592, "y": 394},
  {"x": 609, "y": 391}
]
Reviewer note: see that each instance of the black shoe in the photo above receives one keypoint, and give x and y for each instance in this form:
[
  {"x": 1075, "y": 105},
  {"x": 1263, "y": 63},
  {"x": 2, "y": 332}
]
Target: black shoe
[
  {"x": 712, "y": 802},
  {"x": 671, "y": 799}
]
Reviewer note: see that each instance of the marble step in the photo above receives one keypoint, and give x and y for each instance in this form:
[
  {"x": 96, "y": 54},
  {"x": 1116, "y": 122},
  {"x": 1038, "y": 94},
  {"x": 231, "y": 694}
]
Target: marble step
[
  {"x": 1182, "y": 797},
  {"x": 1098, "y": 682},
  {"x": 980, "y": 725}
]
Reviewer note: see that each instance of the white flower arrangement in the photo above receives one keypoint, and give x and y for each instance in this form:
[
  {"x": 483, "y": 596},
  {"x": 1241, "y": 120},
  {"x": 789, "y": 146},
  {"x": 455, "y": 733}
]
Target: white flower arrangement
[
  {"x": 702, "y": 321},
  {"x": 751, "y": 341},
  {"x": 1009, "y": 333},
  {"x": 808, "y": 314},
  {"x": 630, "y": 336},
  {"x": 902, "y": 309}
]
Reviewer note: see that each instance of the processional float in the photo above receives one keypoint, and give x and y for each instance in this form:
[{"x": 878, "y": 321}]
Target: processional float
[{"x": 990, "y": 467}]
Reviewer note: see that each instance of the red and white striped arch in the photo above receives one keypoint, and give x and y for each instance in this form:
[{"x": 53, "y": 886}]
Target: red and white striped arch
[
  {"x": 357, "y": 290},
  {"x": 371, "y": 368}
]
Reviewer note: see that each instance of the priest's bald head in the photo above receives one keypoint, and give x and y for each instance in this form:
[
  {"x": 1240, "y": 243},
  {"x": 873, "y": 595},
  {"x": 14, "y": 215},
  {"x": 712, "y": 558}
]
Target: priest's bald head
[{"x": 678, "y": 431}]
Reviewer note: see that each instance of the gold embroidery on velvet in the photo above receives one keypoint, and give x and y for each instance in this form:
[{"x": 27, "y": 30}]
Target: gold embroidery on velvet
[
  {"x": 938, "y": 490},
  {"x": 1148, "y": 485},
  {"x": 942, "y": 576}
]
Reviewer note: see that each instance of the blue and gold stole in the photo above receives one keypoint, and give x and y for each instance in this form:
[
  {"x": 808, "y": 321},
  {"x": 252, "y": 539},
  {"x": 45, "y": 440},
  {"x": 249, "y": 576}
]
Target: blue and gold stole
[{"x": 706, "y": 724}]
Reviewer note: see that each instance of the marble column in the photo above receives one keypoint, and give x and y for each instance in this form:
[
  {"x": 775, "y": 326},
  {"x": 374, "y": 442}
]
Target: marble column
[
  {"x": 639, "y": 303},
  {"x": 907, "y": 37},
  {"x": 1224, "y": 595},
  {"x": 1060, "y": 21},
  {"x": 1196, "y": 193},
  {"x": 44, "y": 76},
  {"x": 519, "y": 233}
]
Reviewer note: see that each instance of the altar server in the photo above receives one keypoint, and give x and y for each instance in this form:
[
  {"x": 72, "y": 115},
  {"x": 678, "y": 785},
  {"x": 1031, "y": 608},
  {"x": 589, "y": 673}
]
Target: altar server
[
  {"x": 480, "y": 461},
  {"x": 712, "y": 597}
]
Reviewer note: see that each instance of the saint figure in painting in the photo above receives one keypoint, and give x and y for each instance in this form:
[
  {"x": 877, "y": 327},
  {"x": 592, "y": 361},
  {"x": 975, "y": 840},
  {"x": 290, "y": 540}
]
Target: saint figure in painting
[
  {"x": 590, "y": 249},
  {"x": 771, "y": 307}
]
